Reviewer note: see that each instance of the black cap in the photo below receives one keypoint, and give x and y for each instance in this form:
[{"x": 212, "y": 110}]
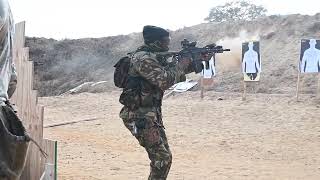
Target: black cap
[{"x": 153, "y": 33}]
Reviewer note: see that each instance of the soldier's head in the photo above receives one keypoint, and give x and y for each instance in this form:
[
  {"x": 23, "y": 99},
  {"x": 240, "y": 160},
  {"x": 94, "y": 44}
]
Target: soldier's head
[{"x": 156, "y": 36}]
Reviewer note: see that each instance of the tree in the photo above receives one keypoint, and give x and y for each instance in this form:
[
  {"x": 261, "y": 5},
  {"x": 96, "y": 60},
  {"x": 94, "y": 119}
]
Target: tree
[{"x": 237, "y": 10}]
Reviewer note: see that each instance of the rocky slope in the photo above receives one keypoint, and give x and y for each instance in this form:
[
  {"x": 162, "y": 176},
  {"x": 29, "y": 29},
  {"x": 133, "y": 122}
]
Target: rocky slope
[{"x": 62, "y": 65}]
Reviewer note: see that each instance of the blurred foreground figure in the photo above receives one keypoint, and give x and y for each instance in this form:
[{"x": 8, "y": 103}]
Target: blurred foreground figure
[{"x": 13, "y": 139}]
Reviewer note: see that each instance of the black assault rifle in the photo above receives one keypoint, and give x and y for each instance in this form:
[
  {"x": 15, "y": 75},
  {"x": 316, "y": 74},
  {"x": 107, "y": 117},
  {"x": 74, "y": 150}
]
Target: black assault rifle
[{"x": 196, "y": 54}]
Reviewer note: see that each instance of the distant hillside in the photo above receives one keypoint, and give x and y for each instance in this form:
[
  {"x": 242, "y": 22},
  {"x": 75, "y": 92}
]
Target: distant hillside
[{"x": 62, "y": 65}]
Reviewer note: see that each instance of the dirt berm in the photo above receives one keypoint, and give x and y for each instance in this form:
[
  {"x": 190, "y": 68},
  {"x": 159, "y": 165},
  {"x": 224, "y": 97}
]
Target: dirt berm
[{"x": 63, "y": 65}]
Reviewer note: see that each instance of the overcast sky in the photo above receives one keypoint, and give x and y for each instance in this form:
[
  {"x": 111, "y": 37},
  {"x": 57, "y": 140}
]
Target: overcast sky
[{"x": 71, "y": 19}]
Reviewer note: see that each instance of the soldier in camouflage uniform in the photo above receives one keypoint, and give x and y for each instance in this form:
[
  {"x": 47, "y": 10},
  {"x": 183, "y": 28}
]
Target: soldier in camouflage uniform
[{"x": 150, "y": 74}]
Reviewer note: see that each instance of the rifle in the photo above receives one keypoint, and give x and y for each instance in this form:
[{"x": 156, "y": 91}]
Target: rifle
[{"x": 196, "y": 54}]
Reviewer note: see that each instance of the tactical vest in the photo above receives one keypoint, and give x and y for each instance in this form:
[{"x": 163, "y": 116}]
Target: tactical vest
[{"x": 139, "y": 92}]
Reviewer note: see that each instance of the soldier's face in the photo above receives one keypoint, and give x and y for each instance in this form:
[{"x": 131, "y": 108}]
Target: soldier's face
[{"x": 165, "y": 42}]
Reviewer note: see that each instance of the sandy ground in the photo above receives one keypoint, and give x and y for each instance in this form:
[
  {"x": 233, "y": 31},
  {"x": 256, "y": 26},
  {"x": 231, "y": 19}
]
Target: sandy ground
[{"x": 267, "y": 137}]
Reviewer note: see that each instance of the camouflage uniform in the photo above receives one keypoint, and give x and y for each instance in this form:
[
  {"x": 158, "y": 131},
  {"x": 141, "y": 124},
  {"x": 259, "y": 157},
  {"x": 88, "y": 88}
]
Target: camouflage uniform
[
  {"x": 8, "y": 76},
  {"x": 142, "y": 116}
]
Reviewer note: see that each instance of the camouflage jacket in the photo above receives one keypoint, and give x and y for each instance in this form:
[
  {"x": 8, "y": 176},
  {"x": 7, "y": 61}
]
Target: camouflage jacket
[{"x": 155, "y": 75}]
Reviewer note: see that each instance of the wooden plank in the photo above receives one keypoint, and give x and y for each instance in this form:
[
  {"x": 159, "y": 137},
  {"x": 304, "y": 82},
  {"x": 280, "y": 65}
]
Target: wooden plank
[
  {"x": 26, "y": 100},
  {"x": 50, "y": 148},
  {"x": 19, "y": 40},
  {"x": 37, "y": 134},
  {"x": 20, "y": 85},
  {"x": 21, "y": 104},
  {"x": 32, "y": 169}
]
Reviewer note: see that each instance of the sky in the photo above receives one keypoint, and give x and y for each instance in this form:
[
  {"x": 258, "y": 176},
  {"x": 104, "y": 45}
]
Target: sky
[{"x": 73, "y": 19}]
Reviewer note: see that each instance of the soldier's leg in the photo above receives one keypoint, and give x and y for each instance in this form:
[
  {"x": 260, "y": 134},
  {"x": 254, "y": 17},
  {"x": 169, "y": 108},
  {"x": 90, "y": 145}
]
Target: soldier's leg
[
  {"x": 154, "y": 140},
  {"x": 161, "y": 158}
]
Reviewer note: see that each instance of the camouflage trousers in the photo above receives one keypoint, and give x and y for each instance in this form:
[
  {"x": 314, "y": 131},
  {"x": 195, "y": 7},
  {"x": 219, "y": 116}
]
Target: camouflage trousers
[{"x": 152, "y": 137}]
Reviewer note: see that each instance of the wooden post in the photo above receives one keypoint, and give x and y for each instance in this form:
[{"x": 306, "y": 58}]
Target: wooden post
[
  {"x": 298, "y": 80},
  {"x": 318, "y": 87},
  {"x": 25, "y": 98},
  {"x": 56, "y": 160},
  {"x": 50, "y": 147},
  {"x": 205, "y": 84},
  {"x": 298, "y": 86},
  {"x": 202, "y": 88},
  {"x": 244, "y": 95}
]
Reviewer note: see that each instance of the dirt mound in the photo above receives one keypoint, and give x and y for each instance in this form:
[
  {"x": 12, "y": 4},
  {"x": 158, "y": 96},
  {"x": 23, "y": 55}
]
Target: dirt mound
[{"x": 63, "y": 65}]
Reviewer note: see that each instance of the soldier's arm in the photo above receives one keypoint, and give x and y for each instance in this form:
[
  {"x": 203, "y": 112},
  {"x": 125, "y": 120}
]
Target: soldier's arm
[{"x": 161, "y": 76}]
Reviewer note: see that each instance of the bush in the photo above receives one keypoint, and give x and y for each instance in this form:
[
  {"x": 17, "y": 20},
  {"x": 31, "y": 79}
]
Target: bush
[{"x": 233, "y": 11}]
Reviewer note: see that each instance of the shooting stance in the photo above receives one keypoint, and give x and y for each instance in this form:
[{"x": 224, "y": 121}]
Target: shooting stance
[
  {"x": 144, "y": 75},
  {"x": 150, "y": 74}
]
